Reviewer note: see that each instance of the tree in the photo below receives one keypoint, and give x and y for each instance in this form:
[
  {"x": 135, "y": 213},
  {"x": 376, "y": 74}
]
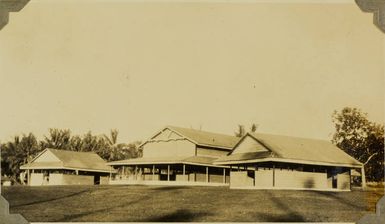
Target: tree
[
  {"x": 16, "y": 153},
  {"x": 362, "y": 139},
  {"x": 57, "y": 139},
  {"x": 241, "y": 130},
  {"x": 122, "y": 150}
]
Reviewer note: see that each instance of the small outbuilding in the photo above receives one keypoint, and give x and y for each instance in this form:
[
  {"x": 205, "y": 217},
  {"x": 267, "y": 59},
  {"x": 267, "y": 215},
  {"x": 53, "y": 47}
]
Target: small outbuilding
[
  {"x": 64, "y": 167},
  {"x": 6, "y": 181}
]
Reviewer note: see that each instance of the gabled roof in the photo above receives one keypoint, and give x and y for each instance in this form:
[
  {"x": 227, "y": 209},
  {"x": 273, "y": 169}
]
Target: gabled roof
[
  {"x": 310, "y": 151},
  {"x": 87, "y": 161},
  {"x": 204, "y": 138}
]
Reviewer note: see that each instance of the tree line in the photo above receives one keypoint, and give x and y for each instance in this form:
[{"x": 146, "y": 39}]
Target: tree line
[
  {"x": 23, "y": 148},
  {"x": 354, "y": 133}
]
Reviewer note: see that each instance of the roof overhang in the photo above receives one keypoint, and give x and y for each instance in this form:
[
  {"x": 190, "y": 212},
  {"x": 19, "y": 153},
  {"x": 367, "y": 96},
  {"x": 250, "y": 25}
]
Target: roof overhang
[
  {"x": 164, "y": 162},
  {"x": 26, "y": 167},
  {"x": 307, "y": 162}
]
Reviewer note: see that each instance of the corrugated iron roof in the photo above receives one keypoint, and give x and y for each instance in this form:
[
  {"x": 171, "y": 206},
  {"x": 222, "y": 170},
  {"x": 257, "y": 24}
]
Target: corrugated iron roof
[
  {"x": 73, "y": 160},
  {"x": 244, "y": 156},
  {"x": 294, "y": 148},
  {"x": 207, "y": 138},
  {"x": 305, "y": 149},
  {"x": 198, "y": 160}
]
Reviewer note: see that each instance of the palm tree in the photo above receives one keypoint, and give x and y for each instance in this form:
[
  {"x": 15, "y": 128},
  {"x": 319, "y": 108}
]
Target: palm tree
[{"x": 241, "y": 129}]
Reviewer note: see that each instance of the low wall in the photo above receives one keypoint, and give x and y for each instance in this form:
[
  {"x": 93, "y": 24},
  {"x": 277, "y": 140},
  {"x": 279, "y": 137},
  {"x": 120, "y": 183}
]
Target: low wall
[
  {"x": 55, "y": 179},
  {"x": 181, "y": 177},
  {"x": 200, "y": 177},
  {"x": 215, "y": 178},
  {"x": 343, "y": 181},
  {"x": 285, "y": 179},
  {"x": 77, "y": 180},
  {"x": 263, "y": 178},
  {"x": 240, "y": 179},
  {"x": 36, "y": 179},
  {"x": 68, "y": 179},
  {"x": 104, "y": 180},
  {"x": 191, "y": 177},
  {"x": 299, "y": 179}
]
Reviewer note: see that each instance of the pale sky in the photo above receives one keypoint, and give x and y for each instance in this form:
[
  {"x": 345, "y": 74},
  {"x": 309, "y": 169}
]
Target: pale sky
[{"x": 140, "y": 66}]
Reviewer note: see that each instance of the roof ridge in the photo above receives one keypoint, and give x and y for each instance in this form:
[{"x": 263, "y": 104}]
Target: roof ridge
[
  {"x": 192, "y": 129},
  {"x": 288, "y": 136},
  {"x": 66, "y": 150}
]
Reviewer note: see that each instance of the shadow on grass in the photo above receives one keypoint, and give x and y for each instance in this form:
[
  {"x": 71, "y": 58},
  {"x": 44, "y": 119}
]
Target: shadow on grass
[
  {"x": 169, "y": 188},
  {"x": 181, "y": 215},
  {"x": 334, "y": 195},
  {"x": 289, "y": 216},
  {"x": 75, "y": 217},
  {"x": 51, "y": 199},
  {"x": 265, "y": 217}
]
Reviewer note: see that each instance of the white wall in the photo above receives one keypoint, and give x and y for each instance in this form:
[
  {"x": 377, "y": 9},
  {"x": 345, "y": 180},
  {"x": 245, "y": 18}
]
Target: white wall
[
  {"x": 36, "y": 179},
  {"x": 77, "y": 179},
  {"x": 343, "y": 181},
  {"x": 240, "y": 179},
  {"x": 104, "y": 180},
  {"x": 282, "y": 179},
  {"x": 210, "y": 152},
  {"x": 171, "y": 148},
  {"x": 55, "y": 179},
  {"x": 263, "y": 178},
  {"x": 299, "y": 179}
]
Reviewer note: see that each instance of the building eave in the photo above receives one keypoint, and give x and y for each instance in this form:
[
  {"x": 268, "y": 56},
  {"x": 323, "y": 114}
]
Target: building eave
[
  {"x": 66, "y": 168},
  {"x": 307, "y": 162}
]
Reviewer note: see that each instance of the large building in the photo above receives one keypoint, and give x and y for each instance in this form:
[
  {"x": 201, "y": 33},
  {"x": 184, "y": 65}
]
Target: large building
[
  {"x": 183, "y": 156},
  {"x": 262, "y": 161},
  {"x": 175, "y": 156},
  {"x": 63, "y": 167}
]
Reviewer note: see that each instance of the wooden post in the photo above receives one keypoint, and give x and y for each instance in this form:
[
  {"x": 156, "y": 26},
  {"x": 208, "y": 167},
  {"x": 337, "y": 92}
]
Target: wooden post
[
  {"x": 136, "y": 172},
  {"x": 110, "y": 172},
  {"x": 28, "y": 177},
  {"x": 255, "y": 172},
  {"x": 273, "y": 175},
  {"x": 123, "y": 175},
  {"x": 224, "y": 175},
  {"x": 363, "y": 177},
  {"x": 77, "y": 172},
  {"x": 153, "y": 172},
  {"x": 207, "y": 174},
  {"x": 168, "y": 172},
  {"x": 184, "y": 170}
]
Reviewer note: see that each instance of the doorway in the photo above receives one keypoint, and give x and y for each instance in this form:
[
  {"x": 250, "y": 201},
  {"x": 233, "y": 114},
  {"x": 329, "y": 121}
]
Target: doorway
[{"x": 97, "y": 180}]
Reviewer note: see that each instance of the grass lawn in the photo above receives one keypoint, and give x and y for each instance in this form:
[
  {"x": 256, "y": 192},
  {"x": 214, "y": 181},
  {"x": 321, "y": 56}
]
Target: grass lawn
[{"x": 196, "y": 204}]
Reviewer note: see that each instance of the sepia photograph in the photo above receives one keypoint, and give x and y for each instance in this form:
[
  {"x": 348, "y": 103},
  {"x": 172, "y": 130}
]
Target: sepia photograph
[{"x": 192, "y": 111}]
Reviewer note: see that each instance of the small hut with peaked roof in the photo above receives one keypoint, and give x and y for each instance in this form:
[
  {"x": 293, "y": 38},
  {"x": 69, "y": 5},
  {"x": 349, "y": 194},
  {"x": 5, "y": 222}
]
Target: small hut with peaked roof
[{"x": 64, "y": 167}]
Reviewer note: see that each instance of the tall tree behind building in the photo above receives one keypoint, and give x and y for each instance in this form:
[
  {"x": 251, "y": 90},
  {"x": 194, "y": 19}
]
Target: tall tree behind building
[
  {"x": 362, "y": 139},
  {"x": 242, "y": 131}
]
